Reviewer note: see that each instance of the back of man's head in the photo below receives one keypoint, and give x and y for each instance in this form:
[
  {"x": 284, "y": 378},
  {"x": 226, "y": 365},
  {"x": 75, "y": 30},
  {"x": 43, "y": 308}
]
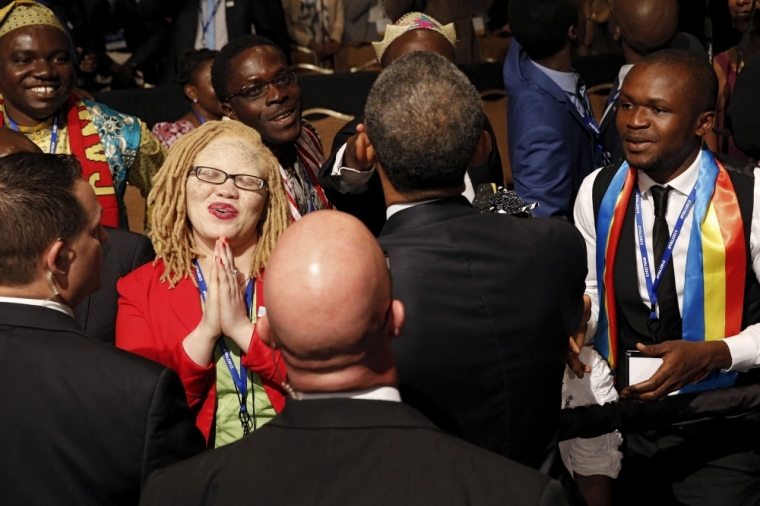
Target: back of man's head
[
  {"x": 424, "y": 118},
  {"x": 329, "y": 306},
  {"x": 646, "y": 26},
  {"x": 39, "y": 206},
  {"x": 541, "y": 26}
]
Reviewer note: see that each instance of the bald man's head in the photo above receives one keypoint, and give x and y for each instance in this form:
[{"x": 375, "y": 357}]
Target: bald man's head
[
  {"x": 12, "y": 142},
  {"x": 329, "y": 306},
  {"x": 645, "y": 26}
]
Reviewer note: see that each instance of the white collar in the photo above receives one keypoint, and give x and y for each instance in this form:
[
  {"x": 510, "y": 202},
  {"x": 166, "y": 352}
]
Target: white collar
[
  {"x": 51, "y": 304},
  {"x": 683, "y": 183},
  {"x": 568, "y": 81},
  {"x": 406, "y": 205},
  {"x": 623, "y": 72},
  {"x": 374, "y": 394}
]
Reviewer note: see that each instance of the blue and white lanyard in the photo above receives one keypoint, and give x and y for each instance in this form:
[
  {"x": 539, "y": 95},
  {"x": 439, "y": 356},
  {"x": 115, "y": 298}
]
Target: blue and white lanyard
[
  {"x": 653, "y": 285},
  {"x": 240, "y": 379},
  {"x": 200, "y": 118},
  {"x": 307, "y": 181},
  {"x": 53, "y": 133},
  {"x": 206, "y": 24}
]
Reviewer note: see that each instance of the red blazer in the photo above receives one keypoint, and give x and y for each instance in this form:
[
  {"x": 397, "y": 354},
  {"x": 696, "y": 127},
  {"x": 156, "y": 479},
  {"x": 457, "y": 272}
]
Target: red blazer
[{"x": 153, "y": 321}]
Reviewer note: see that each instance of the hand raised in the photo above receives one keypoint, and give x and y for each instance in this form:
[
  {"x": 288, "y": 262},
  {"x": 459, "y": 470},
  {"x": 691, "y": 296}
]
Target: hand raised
[
  {"x": 233, "y": 316},
  {"x": 359, "y": 154},
  {"x": 681, "y": 362}
]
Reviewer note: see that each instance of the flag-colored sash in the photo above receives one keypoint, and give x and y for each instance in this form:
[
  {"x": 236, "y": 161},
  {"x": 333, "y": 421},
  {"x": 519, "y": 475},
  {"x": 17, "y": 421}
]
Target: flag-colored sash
[
  {"x": 86, "y": 145},
  {"x": 716, "y": 263}
]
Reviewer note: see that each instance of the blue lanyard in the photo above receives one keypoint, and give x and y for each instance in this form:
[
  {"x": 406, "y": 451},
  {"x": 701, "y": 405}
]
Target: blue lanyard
[
  {"x": 200, "y": 118},
  {"x": 653, "y": 285},
  {"x": 240, "y": 379},
  {"x": 207, "y": 23},
  {"x": 53, "y": 133}
]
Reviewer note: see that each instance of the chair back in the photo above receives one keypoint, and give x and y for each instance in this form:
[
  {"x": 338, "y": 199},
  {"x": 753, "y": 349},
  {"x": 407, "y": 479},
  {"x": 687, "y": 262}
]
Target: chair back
[
  {"x": 356, "y": 56},
  {"x": 494, "y": 46},
  {"x": 135, "y": 204}
]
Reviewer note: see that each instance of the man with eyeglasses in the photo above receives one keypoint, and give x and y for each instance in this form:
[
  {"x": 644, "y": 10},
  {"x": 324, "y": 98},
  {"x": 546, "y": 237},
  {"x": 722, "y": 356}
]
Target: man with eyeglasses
[{"x": 256, "y": 87}]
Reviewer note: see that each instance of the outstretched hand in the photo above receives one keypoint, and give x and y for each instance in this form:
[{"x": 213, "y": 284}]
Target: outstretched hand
[
  {"x": 578, "y": 339},
  {"x": 682, "y": 361}
]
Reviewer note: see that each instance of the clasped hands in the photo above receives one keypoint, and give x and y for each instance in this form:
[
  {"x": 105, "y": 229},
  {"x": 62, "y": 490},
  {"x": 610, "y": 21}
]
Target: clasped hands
[
  {"x": 682, "y": 361},
  {"x": 224, "y": 311}
]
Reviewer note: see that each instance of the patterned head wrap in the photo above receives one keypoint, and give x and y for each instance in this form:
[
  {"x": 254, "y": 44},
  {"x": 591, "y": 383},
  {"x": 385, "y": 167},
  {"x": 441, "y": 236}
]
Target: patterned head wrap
[
  {"x": 21, "y": 13},
  {"x": 409, "y": 22}
]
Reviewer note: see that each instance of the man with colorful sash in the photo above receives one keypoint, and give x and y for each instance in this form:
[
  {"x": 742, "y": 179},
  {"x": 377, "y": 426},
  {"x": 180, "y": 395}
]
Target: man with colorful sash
[
  {"x": 674, "y": 254},
  {"x": 36, "y": 80},
  {"x": 256, "y": 87}
]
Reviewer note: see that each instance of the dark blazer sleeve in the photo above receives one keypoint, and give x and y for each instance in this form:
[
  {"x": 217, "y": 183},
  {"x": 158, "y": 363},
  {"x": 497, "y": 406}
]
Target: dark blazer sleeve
[{"x": 171, "y": 434}]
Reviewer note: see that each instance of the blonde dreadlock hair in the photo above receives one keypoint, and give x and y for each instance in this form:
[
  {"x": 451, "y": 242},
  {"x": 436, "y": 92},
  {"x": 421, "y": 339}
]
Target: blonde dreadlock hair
[{"x": 172, "y": 235}]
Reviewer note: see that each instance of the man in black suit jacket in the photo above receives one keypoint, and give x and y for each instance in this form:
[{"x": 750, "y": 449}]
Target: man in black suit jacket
[
  {"x": 490, "y": 299},
  {"x": 366, "y": 201},
  {"x": 83, "y": 422},
  {"x": 344, "y": 437},
  {"x": 262, "y": 17},
  {"x": 124, "y": 252}
]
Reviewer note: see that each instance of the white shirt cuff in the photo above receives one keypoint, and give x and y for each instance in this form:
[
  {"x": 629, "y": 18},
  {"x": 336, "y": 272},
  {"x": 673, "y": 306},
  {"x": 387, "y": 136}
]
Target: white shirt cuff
[
  {"x": 346, "y": 179},
  {"x": 744, "y": 348}
]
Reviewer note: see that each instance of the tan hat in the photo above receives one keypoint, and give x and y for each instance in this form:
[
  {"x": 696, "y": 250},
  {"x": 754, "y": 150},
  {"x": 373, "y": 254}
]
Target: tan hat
[
  {"x": 21, "y": 13},
  {"x": 413, "y": 21}
]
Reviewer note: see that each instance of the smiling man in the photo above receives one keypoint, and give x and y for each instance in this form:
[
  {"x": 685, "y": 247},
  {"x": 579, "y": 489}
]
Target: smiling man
[
  {"x": 673, "y": 246},
  {"x": 37, "y": 77},
  {"x": 255, "y": 86}
]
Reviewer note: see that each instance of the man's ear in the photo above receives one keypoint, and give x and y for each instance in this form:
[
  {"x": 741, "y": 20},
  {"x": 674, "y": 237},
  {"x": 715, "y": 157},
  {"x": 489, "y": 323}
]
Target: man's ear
[
  {"x": 264, "y": 332},
  {"x": 572, "y": 33},
  {"x": 705, "y": 123},
  {"x": 395, "y": 323},
  {"x": 58, "y": 258},
  {"x": 482, "y": 150},
  {"x": 229, "y": 111}
]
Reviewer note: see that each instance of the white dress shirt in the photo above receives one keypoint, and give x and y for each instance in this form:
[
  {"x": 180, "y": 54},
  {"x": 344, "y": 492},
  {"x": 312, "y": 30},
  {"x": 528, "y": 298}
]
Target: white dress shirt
[
  {"x": 51, "y": 304},
  {"x": 744, "y": 347},
  {"x": 348, "y": 180},
  {"x": 373, "y": 394},
  {"x": 220, "y": 24}
]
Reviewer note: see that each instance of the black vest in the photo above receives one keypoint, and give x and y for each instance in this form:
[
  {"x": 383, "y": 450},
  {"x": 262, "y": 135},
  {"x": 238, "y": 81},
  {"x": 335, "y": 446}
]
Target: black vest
[{"x": 633, "y": 314}]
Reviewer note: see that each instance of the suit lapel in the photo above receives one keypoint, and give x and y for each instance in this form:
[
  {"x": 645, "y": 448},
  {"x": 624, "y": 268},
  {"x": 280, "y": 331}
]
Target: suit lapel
[
  {"x": 185, "y": 301},
  {"x": 426, "y": 214}
]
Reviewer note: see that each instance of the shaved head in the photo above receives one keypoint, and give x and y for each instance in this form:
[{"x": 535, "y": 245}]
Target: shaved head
[
  {"x": 646, "y": 25},
  {"x": 418, "y": 40},
  {"x": 329, "y": 306}
]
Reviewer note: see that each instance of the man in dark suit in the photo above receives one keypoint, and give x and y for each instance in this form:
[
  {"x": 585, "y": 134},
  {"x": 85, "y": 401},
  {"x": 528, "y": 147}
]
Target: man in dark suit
[
  {"x": 490, "y": 299},
  {"x": 83, "y": 422},
  {"x": 241, "y": 17},
  {"x": 344, "y": 437},
  {"x": 361, "y": 193},
  {"x": 124, "y": 252},
  {"x": 553, "y": 136}
]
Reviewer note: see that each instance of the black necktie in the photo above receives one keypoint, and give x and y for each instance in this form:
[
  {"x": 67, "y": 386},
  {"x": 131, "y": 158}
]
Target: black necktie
[{"x": 666, "y": 292}]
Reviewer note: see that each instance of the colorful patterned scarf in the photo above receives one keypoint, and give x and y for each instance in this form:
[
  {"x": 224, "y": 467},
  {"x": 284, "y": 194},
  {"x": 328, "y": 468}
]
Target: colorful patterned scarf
[
  {"x": 716, "y": 264},
  {"x": 86, "y": 145},
  {"x": 310, "y": 155}
]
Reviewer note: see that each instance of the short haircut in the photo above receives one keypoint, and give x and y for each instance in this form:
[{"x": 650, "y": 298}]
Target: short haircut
[
  {"x": 38, "y": 204},
  {"x": 540, "y": 26},
  {"x": 188, "y": 62},
  {"x": 702, "y": 84},
  {"x": 424, "y": 118},
  {"x": 220, "y": 70}
]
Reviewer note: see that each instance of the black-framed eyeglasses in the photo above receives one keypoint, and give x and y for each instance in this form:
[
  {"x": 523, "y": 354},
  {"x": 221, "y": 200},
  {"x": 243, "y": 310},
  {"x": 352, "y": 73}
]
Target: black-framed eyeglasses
[
  {"x": 257, "y": 90},
  {"x": 215, "y": 176}
]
